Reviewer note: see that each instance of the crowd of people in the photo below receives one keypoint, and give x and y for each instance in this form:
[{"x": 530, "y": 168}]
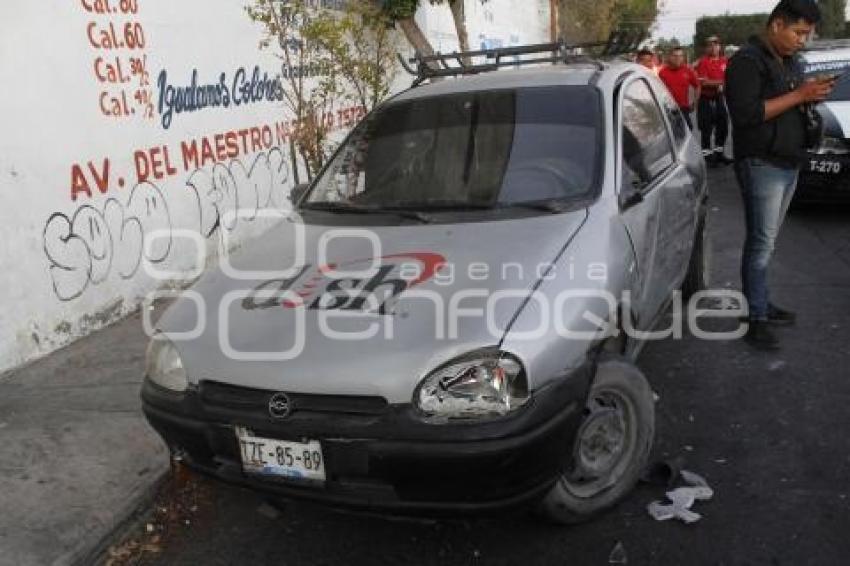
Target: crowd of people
[{"x": 699, "y": 87}]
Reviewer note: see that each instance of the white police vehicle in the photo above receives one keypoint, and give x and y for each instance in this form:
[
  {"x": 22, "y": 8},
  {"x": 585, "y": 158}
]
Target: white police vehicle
[{"x": 825, "y": 176}]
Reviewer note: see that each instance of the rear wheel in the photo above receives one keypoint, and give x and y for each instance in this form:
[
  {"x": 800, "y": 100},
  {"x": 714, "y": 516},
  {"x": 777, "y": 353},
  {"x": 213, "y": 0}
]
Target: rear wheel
[{"x": 611, "y": 447}]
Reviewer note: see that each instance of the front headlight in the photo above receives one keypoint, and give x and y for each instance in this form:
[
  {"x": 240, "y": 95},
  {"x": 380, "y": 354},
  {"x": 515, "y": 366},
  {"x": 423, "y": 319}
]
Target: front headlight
[
  {"x": 480, "y": 386},
  {"x": 833, "y": 146},
  {"x": 163, "y": 365}
]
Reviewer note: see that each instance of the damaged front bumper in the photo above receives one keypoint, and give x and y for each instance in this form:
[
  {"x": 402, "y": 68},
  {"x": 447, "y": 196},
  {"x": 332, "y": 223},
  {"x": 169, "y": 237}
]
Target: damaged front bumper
[{"x": 376, "y": 455}]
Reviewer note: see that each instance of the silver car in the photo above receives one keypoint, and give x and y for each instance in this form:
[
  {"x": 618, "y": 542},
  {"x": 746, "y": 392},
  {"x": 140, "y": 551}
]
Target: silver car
[{"x": 448, "y": 321}]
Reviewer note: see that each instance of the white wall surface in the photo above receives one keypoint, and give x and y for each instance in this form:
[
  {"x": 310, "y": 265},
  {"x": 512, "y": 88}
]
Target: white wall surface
[
  {"x": 82, "y": 188},
  {"x": 496, "y": 23}
]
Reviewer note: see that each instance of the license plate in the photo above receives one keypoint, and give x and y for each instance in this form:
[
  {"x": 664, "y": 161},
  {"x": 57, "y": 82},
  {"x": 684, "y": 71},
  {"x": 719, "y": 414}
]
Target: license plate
[
  {"x": 281, "y": 458},
  {"x": 825, "y": 166}
]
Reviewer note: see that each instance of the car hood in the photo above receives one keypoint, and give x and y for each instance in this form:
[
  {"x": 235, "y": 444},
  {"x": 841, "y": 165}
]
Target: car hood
[{"x": 397, "y": 306}]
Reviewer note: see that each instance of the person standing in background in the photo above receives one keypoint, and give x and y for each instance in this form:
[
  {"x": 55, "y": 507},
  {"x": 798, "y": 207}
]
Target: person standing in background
[
  {"x": 712, "y": 114},
  {"x": 768, "y": 99},
  {"x": 679, "y": 79}
]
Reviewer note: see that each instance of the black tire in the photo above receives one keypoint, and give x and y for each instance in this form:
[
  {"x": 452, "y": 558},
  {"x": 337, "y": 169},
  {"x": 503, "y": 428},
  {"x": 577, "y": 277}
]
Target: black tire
[
  {"x": 698, "y": 275},
  {"x": 577, "y": 496}
]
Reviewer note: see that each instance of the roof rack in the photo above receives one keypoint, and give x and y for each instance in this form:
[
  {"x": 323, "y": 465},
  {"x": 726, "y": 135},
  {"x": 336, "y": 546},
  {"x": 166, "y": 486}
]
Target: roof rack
[{"x": 441, "y": 65}]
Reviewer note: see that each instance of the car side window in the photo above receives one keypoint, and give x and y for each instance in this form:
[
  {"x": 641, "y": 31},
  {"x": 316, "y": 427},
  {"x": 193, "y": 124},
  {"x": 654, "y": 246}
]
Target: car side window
[
  {"x": 647, "y": 151},
  {"x": 675, "y": 117}
]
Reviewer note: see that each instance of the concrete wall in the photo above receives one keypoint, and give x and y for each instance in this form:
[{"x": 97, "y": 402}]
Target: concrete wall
[{"x": 96, "y": 158}]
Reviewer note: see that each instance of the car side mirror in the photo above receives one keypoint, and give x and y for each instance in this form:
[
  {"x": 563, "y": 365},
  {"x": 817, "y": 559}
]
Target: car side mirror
[{"x": 298, "y": 191}]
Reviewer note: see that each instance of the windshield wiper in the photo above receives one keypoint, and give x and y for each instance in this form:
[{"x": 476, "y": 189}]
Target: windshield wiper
[
  {"x": 553, "y": 206},
  {"x": 343, "y": 208},
  {"x": 336, "y": 207},
  {"x": 440, "y": 205},
  {"x": 411, "y": 214}
]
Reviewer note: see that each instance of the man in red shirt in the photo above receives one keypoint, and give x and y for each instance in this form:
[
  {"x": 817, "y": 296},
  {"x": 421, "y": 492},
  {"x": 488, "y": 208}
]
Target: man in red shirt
[
  {"x": 679, "y": 79},
  {"x": 712, "y": 115}
]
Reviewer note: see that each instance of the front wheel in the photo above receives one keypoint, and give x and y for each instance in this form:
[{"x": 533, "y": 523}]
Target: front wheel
[{"x": 611, "y": 447}]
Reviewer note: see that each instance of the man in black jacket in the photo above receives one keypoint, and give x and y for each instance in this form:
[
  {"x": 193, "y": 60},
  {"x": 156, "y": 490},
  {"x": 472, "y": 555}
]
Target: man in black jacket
[{"x": 768, "y": 102}]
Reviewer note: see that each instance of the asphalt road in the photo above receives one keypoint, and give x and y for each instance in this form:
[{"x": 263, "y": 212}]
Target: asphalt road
[{"x": 770, "y": 432}]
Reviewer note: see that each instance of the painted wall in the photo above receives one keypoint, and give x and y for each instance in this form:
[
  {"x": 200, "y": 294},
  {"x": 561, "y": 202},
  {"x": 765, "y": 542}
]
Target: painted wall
[
  {"x": 495, "y": 23},
  {"x": 108, "y": 172}
]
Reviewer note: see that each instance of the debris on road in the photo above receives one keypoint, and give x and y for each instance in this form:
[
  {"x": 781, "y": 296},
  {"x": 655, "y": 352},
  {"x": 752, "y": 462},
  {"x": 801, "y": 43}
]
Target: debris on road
[
  {"x": 682, "y": 499},
  {"x": 618, "y": 554},
  {"x": 661, "y": 512},
  {"x": 695, "y": 480},
  {"x": 178, "y": 501}
]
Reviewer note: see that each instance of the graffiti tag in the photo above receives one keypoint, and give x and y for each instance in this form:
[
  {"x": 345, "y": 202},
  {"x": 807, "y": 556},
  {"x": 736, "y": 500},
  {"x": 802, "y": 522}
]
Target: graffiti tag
[{"x": 85, "y": 247}]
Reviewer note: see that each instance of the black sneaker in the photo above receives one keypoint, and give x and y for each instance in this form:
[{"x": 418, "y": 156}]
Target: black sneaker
[
  {"x": 780, "y": 317},
  {"x": 760, "y": 336}
]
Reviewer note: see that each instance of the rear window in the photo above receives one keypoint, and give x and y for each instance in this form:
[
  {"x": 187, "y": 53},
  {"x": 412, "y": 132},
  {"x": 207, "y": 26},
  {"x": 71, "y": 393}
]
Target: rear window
[{"x": 477, "y": 148}]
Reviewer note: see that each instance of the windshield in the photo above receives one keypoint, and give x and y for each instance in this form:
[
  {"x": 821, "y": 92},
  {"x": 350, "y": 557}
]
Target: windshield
[{"x": 475, "y": 150}]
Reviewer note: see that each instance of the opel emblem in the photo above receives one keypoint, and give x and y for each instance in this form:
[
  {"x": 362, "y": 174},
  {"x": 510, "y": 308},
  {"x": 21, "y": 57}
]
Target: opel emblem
[{"x": 280, "y": 406}]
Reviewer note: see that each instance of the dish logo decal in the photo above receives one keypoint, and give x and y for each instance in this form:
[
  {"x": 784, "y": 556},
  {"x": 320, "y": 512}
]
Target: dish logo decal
[{"x": 317, "y": 289}]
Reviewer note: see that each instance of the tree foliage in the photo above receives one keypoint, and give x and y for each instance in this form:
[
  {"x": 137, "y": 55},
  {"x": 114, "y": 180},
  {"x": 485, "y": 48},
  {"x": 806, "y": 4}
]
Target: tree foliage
[
  {"x": 583, "y": 20},
  {"x": 833, "y": 24},
  {"x": 731, "y": 29},
  {"x": 736, "y": 29},
  {"x": 327, "y": 58},
  {"x": 666, "y": 44},
  {"x": 361, "y": 47},
  {"x": 399, "y": 9},
  {"x": 640, "y": 14}
]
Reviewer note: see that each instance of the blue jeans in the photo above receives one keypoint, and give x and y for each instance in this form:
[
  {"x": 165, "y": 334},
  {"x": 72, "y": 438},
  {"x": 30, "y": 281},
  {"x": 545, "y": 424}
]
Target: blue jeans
[{"x": 767, "y": 191}]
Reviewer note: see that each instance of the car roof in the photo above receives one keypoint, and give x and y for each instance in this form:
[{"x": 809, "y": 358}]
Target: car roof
[
  {"x": 826, "y": 51},
  {"x": 827, "y": 44},
  {"x": 573, "y": 74}
]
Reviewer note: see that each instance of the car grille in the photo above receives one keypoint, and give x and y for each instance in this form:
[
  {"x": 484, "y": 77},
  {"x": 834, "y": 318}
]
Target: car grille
[{"x": 232, "y": 397}]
